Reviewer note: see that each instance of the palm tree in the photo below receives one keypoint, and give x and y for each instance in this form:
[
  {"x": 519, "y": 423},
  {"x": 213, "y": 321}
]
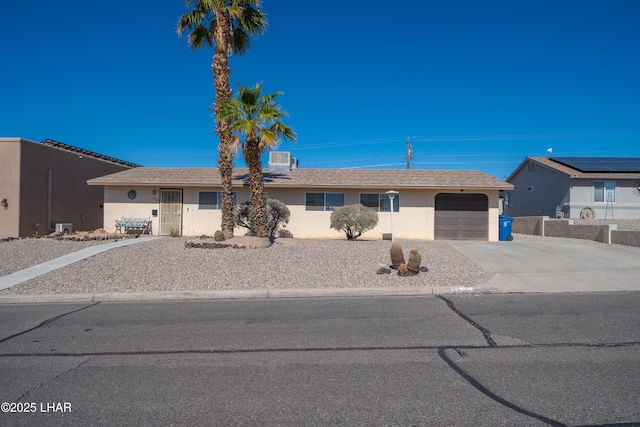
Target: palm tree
[
  {"x": 227, "y": 26},
  {"x": 258, "y": 118}
]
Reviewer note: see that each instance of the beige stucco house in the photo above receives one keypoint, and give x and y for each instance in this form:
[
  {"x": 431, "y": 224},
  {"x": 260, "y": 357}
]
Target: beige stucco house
[
  {"x": 45, "y": 183},
  {"x": 432, "y": 204}
]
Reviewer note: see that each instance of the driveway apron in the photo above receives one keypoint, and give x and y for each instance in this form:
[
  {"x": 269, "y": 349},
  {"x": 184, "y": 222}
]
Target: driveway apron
[{"x": 555, "y": 266}]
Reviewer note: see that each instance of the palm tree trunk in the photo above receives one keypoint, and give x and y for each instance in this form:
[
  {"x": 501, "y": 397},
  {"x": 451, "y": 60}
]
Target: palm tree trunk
[
  {"x": 221, "y": 72},
  {"x": 256, "y": 185}
]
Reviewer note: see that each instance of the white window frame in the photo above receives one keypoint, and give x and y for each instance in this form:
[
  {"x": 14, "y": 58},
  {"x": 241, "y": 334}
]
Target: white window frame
[
  {"x": 608, "y": 189},
  {"x": 217, "y": 205},
  {"x": 325, "y": 208},
  {"x": 384, "y": 197}
]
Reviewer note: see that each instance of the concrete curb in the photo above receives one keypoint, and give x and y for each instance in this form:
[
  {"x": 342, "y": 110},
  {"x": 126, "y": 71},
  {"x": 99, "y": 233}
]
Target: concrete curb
[{"x": 244, "y": 294}]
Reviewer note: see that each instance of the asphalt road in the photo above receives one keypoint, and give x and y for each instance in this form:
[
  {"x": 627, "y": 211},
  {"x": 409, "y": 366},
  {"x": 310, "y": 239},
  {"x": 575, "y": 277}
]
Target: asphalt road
[{"x": 474, "y": 360}]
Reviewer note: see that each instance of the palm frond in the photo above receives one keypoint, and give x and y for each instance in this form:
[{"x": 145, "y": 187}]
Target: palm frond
[
  {"x": 250, "y": 113},
  {"x": 246, "y": 20}
]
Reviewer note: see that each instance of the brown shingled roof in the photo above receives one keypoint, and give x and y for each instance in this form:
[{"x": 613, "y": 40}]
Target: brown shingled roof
[{"x": 383, "y": 178}]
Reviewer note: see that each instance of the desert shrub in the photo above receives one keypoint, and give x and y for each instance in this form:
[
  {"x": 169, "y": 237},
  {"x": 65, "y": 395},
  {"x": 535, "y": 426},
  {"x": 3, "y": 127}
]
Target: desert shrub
[
  {"x": 285, "y": 234},
  {"x": 354, "y": 220},
  {"x": 277, "y": 215}
]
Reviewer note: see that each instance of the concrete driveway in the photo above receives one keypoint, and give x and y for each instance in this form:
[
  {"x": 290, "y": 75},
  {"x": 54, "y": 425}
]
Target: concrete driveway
[{"x": 554, "y": 265}]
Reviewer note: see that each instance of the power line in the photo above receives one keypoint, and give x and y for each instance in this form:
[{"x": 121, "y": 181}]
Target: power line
[{"x": 460, "y": 139}]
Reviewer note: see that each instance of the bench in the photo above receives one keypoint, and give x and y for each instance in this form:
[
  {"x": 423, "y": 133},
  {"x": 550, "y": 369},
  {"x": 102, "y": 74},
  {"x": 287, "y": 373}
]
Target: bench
[{"x": 137, "y": 223}]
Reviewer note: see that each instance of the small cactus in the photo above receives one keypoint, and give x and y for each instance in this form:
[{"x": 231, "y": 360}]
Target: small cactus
[
  {"x": 402, "y": 270},
  {"x": 397, "y": 256},
  {"x": 218, "y": 236},
  {"x": 414, "y": 262}
]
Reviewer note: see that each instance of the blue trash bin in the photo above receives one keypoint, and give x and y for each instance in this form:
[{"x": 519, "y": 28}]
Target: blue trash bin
[{"x": 505, "y": 228}]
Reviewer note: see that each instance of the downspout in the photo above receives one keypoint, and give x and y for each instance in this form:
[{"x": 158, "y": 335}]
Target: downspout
[{"x": 49, "y": 184}]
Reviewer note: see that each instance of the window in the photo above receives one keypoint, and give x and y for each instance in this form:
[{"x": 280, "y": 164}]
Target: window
[
  {"x": 323, "y": 201},
  {"x": 380, "y": 202},
  {"x": 604, "y": 191},
  {"x": 210, "y": 200},
  {"x": 531, "y": 167}
]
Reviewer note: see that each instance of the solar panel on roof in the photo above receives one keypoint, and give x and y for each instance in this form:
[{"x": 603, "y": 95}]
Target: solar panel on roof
[{"x": 601, "y": 164}]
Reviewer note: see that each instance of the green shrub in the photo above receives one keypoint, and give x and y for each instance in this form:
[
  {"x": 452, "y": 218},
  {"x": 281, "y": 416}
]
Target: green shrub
[
  {"x": 354, "y": 220},
  {"x": 278, "y": 214}
]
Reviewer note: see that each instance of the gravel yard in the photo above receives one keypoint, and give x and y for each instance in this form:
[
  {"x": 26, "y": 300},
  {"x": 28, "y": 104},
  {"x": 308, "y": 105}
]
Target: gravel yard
[
  {"x": 17, "y": 255},
  {"x": 165, "y": 264}
]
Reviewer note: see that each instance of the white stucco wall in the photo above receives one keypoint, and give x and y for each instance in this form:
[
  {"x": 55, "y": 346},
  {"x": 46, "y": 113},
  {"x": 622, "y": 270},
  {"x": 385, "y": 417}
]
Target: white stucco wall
[
  {"x": 414, "y": 220},
  {"x": 410, "y": 222}
]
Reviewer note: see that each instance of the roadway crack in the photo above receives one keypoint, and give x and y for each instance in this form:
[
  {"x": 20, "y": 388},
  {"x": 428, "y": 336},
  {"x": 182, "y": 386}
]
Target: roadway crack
[
  {"x": 46, "y": 322},
  {"x": 485, "y": 332},
  {"x": 482, "y": 389},
  {"x": 73, "y": 368}
]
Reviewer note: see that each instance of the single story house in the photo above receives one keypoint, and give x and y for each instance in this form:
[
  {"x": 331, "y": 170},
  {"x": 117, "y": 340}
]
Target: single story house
[
  {"x": 431, "y": 204},
  {"x": 575, "y": 187},
  {"x": 44, "y": 184}
]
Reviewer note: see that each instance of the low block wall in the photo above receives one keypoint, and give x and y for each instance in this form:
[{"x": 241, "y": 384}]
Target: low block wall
[
  {"x": 556, "y": 228},
  {"x": 543, "y": 226},
  {"x": 598, "y": 233},
  {"x": 533, "y": 225},
  {"x": 566, "y": 228},
  {"x": 629, "y": 238}
]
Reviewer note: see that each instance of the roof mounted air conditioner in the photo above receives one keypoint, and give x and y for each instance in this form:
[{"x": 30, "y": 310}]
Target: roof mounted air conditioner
[{"x": 281, "y": 161}]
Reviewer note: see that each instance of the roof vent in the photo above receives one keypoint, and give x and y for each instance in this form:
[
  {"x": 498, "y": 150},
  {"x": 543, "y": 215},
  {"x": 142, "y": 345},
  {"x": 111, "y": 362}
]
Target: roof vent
[{"x": 281, "y": 161}]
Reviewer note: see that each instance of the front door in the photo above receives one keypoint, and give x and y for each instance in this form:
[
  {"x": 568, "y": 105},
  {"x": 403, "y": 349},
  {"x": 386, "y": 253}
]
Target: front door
[{"x": 170, "y": 212}]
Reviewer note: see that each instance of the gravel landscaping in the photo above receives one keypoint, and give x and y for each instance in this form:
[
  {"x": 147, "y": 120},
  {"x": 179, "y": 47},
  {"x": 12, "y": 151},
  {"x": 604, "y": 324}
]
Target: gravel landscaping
[
  {"x": 24, "y": 253},
  {"x": 164, "y": 264}
]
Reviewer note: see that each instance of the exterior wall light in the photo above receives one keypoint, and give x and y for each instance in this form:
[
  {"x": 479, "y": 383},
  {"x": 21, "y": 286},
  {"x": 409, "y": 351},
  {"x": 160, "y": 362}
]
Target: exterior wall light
[{"x": 4, "y": 203}]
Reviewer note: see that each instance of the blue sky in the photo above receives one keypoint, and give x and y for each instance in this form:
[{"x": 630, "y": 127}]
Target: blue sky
[{"x": 474, "y": 84}]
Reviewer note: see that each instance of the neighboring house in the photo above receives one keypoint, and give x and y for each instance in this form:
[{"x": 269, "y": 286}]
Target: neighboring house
[
  {"x": 606, "y": 188},
  {"x": 432, "y": 204},
  {"x": 44, "y": 184}
]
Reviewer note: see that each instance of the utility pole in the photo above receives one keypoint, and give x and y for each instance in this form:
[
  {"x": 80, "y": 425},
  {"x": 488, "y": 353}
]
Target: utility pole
[{"x": 409, "y": 152}]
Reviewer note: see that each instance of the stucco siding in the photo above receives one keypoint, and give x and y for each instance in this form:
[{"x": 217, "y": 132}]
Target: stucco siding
[
  {"x": 72, "y": 200},
  {"x": 625, "y": 206},
  {"x": 414, "y": 220},
  {"x": 409, "y": 222},
  {"x": 538, "y": 191},
  {"x": 45, "y": 185},
  {"x": 10, "y": 189},
  {"x": 117, "y": 204}
]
